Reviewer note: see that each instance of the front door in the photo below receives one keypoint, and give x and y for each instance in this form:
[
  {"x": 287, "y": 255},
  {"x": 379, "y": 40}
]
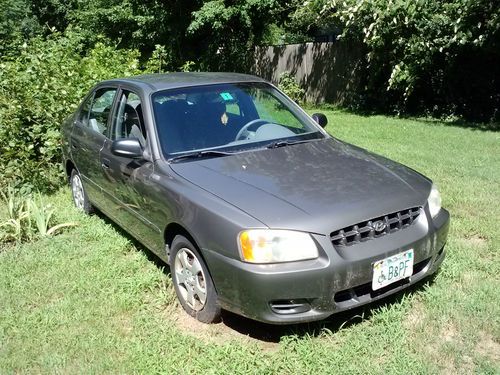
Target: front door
[{"x": 126, "y": 181}]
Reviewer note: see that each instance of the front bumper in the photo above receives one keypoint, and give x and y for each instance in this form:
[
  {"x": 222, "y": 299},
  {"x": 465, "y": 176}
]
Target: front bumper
[{"x": 339, "y": 279}]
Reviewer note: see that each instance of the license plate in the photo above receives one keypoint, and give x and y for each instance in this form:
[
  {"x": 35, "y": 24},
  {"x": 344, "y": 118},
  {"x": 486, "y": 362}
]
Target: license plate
[{"x": 392, "y": 269}]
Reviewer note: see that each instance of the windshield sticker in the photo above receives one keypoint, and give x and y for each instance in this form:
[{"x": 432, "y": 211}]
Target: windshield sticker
[{"x": 226, "y": 96}]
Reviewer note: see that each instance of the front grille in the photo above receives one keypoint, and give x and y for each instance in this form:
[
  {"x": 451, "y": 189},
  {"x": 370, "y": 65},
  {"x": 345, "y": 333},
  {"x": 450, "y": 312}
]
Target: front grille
[{"x": 374, "y": 228}]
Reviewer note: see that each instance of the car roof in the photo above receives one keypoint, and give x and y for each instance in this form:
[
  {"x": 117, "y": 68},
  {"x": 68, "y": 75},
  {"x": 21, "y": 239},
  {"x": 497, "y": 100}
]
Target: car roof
[{"x": 157, "y": 82}]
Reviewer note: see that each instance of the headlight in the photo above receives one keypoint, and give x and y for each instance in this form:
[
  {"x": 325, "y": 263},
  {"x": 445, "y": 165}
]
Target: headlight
[
  {"x": 434, "y": 201},
  {"x": 273, "y": 246}
]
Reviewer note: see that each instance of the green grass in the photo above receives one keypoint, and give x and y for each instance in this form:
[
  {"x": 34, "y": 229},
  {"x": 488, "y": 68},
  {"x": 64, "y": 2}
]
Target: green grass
[{"x": 89, "y": 300}]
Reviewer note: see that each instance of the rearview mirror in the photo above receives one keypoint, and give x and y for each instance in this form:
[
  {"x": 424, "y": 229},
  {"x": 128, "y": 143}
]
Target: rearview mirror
[
  {"x": 321, "y": 119},
  {"x": 127, "y": 148}
]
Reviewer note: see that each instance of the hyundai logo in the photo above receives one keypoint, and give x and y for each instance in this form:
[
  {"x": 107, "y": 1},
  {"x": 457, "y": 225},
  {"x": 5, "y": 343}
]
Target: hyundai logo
[{"x": 379, "y": 226}]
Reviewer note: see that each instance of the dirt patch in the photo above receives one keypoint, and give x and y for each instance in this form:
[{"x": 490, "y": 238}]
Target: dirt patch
[
  {"x": 449, "y": 333},
  {"x": 416, "y": 316},
  {"x": 123, "y": 323},
  {"x": 219, "y": 333},
  {"x": 488, "y": 348},
  {"x": 468, "y": 278},
  {"x": 436, "y": 352},
  {"x": 445, "y": 363},
  {"x": 476, "y": 240}
]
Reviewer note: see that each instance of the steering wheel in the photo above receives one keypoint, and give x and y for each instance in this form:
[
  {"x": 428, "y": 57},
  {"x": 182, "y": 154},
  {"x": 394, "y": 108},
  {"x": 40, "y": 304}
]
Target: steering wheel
[{"x": 247, "y": 125}]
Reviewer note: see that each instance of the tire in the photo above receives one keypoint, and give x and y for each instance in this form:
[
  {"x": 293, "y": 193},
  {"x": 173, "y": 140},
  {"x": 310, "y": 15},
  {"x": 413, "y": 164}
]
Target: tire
[
  {"x": 80, "y": 198},
  {"x": 192, "y": 282}
]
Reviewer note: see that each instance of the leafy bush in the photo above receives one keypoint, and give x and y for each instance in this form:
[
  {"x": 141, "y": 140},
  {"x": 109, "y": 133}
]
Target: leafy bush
[
  {"x": 437, "y": 56},
  {"x": 159, "y": 61},
  {"x": 288, "y": 84},
  {"x": 40, "y": 85}
]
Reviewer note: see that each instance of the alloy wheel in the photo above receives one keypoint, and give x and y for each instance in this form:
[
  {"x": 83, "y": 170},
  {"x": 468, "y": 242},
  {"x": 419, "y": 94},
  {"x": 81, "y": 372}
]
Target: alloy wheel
[
  {"x": 190, "y": 279},
  {"x": 78, "y": 193}
]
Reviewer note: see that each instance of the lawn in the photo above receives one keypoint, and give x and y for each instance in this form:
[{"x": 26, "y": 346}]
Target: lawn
[{"x": 91, "y": 300}]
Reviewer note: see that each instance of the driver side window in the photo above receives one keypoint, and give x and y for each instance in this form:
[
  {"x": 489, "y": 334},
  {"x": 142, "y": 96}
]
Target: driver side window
[{"x": 128, "y": 121}]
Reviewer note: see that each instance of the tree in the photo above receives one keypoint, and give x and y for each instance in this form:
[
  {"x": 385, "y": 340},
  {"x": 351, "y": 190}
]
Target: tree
[
  {"x": 227, "y": 31},
  {"x": 17, "y": 23},
  {"x": 137, "y": 24}
]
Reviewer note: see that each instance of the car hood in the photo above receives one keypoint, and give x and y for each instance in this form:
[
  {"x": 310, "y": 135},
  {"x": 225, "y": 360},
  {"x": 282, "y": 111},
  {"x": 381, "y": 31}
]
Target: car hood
[{"x": 319, "y": 186}]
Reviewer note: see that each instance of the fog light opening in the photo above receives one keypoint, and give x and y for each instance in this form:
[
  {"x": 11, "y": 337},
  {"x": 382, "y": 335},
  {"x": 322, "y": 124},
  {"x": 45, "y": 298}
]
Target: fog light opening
[
  {"x": 440, "y": 252},
  {"x": 292, "y": 306},
  {"x": 343, "y": 296}
]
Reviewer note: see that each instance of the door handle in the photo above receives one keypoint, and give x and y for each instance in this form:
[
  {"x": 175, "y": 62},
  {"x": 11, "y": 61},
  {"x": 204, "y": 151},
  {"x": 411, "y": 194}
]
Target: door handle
[{"x": 105, "y": 163}]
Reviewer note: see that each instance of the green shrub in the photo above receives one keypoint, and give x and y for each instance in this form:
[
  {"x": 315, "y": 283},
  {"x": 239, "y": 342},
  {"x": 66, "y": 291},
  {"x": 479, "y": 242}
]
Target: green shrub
[
  {"x": 40, "y": 85},
  {"x": 159, "y": 61},
  {"x": 288, "y": 84}
]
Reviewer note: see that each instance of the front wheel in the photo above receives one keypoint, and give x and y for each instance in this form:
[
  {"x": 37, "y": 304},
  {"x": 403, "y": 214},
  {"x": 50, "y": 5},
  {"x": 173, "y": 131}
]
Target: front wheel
[
  {"x": 192, "y": 282},
  {"x": 80, "y": 198}
]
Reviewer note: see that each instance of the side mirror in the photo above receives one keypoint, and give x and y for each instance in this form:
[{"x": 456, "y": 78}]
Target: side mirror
[
  {"x": 321, "y": 119},
  {"x": 127, "y": 148}
]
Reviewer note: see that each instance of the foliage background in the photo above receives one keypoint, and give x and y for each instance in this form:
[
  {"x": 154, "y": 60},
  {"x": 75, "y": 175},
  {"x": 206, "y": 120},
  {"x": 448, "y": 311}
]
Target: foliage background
[
  {"x": 436, "y": 57},
  {"x": 419, "y": 57},
  {"x": 40, "y": 84}
]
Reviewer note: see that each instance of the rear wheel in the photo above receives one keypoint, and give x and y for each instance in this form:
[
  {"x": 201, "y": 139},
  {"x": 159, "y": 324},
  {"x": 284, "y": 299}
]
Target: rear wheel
[
  {"x": 80, "y": 198},
  {"x": 192, "y": 282}
]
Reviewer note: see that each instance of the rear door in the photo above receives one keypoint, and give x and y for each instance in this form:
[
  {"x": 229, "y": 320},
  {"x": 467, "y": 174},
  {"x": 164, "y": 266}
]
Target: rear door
[{"x": 88, "y": 137}]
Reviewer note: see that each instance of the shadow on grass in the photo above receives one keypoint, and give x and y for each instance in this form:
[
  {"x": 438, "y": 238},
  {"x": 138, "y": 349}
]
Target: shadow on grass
[
  {"x": 274, "y": 333},
  {"x": 151, "y": 256},
  {"x": 459, "y": 123},
  {"x": 482, "y": 126}
]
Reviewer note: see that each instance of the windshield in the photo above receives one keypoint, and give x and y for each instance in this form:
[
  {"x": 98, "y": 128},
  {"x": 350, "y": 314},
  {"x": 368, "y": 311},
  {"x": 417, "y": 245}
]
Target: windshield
[{"x": 228, "y": 117}]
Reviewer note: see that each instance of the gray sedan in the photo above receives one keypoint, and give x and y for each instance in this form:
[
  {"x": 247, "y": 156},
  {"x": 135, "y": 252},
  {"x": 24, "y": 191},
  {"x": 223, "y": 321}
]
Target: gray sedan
[{"x": 256, "y": 209}]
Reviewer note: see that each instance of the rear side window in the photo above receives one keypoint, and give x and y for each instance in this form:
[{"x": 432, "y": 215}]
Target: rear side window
[
  {"x": 99, "y": 111},
  {"x": 83, "y": 116}
]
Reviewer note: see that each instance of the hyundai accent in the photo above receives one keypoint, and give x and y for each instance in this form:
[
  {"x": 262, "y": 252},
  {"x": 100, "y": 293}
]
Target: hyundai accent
[{"x": 255, "y": 207}]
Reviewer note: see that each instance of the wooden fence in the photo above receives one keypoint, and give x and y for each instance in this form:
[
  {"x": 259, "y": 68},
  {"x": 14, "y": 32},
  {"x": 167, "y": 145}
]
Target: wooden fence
[{"x": 328, "y": 72}]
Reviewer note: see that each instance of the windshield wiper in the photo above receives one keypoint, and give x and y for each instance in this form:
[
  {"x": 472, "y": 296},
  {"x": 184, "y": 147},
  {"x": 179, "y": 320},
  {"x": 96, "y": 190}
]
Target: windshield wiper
[
  {"x": 282, "y": 143},
  {"x": 200, "y": 154}
]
